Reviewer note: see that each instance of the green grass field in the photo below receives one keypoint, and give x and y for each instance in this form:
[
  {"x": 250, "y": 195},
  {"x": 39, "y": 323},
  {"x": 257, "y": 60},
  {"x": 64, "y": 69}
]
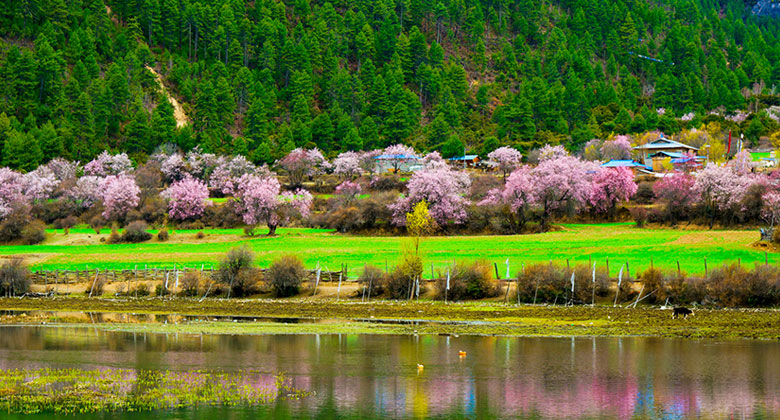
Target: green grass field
[{"x": 579, "y": 243}]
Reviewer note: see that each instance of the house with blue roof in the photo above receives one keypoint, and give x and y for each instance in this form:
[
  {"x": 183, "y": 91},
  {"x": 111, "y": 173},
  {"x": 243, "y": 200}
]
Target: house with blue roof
[
  {"x": 661, "y": 150},
  {"x": 636, "y": 167}
]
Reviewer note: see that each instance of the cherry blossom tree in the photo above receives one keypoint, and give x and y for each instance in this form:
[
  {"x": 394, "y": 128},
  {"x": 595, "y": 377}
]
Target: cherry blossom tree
[
  {"x": 87, "y": 191},
  {"x": 442, "y": 188},
  {"x": 559, "y": 180},
  {"x": 11, "y": 191},
  {"x": 507, "y": 159},
  {"x": 618, "y": 148},
  {"x": 721, "y": 189},
  {"x": 434, "y": 160},
  {"x": 120, "y": 195},
  {"x": 348, "y": 192},
  {"x": 225, "y": 175},
  {"x": 743, "y": 162},
  {"x": 301, "y": 163},
  {"x": 259, "y": 200},
  {"x": 518, "y": 195},
  {"x": 200, "y": 164},
  {"x": 770, "y": 211},
  {"x": 187, "y": 198},
  {"x": 552, "y": 152},
  {"x": 677, "y": 194},
  {"x": 347, "y": 165},
  {"x": 592, "y": 149},
  {"x": 610, "y": 187},
  {"x": 63, "y": 169},
  {"x": 108, "y": 164},
  {"x": 173, "y": 167},
  {"x": 398, "y": 154},
  {"x": 39, "y": 185}
]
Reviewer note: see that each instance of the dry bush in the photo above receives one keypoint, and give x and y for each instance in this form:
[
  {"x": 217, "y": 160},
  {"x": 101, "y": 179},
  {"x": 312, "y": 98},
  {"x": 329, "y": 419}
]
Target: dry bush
[
  {"x": 190, "y": 284},
  {"x": 136, "y": 232},
  {"x": 34, "y": 233},
  {"x": 285, "y": 276},
  {"x": 402, "y": 281},
  {"x": 236, "y": 272},
  {"x": 373, "y": 280},
  {"x": 469, "y": 281},
  {"x": 14, "y": 278},
  {"x": 584, "y": 286},
  {"x": 162, "y": 235},
  {"x": 541, "y": 283}
]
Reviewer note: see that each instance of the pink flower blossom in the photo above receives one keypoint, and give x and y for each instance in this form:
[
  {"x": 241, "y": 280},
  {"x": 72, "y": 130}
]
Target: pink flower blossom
[
  {"x": 507, "y": 159},
  {"x": 173, "y": 167},
  {"x": 562, "y": 179},
  {"x": 676, "y": 189},
  {"x": 738, "y": 118},
  {"x": 771, "y": 207},
  {"x": 63, "y": 169},
  {"x": 120, "y": 195},
  {"x": 348, "y": 191},
  {"x": 368, "y": 161},
  {"x": 610, "y": 187},
  {"x": 743, "y": 162},
  {"x": 721, "y": 187},
  {"x": 39, "y": 185},
  {"x": 347, "y": 164},
  {"x": 442, "y": 188},
  {"x": 434, "y": 160},
  {"x": 618, "y": 148},
  {"x": 11, "y": 188},
  {"x": 186, "y": 198},
  {"x": 398, "y": 154},
  {"x": 87, "y": 191},
  {"x": 519, "y": 194},
  {"x": 227, "y": 172},
  {"x": 107, "y": 164},
  {"x": 552, "y": 152},
  {"x": 259, "y": 201},
  {"x": 301, "y": 163}
]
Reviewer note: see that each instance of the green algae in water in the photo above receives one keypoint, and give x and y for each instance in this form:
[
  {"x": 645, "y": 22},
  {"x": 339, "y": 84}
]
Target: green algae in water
[{"x": 70, "y": 391}]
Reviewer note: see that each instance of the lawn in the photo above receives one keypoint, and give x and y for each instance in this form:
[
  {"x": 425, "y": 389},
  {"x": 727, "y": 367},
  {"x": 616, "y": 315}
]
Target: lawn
[{"x": 579, "y": 243}]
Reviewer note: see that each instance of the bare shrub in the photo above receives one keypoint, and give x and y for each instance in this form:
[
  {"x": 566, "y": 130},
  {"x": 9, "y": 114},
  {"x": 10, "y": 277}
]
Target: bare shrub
[
  {"x": 34, "y": 233},
  {"x": 469, "y": 281},
  {"x": 190, "y": 284},
  {"x": 162, "y": 235},
  {"x": 541, "y": 283},
  {"x": 401, "y": 282},
  {"x": 14, "y": 278},
  {"x": 640, "y": 216},
  {"x": 136, "y": 232},
  {"x": 285, "y": 276},
  {"x": 373, "y": 280},
  {"x": 236, "y": 272}
]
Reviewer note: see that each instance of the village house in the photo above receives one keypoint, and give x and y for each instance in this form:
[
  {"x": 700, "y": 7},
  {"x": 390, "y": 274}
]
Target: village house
[{"x": 661, "y": 151}]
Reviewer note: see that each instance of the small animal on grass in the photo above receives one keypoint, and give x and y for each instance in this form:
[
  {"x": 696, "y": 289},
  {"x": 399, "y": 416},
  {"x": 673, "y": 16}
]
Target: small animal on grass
[{"x": 684, "y": 312}]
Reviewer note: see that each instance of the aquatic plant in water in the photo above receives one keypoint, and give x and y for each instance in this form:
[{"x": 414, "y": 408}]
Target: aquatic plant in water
[{"x": 82, "y": 391}]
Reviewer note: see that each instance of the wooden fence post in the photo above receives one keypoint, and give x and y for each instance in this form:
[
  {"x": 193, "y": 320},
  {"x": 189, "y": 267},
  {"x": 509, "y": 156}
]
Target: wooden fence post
[
  {"x": 705, "y": 266},
  {"x": 97, "y": 271}
]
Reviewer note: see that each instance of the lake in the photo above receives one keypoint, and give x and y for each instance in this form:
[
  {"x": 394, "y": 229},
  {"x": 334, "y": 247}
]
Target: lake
[{"x": 377, "y": 376}]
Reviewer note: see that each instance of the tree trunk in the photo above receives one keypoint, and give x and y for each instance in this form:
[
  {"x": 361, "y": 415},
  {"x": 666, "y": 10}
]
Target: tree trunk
[{"x": 271, "y": 230}]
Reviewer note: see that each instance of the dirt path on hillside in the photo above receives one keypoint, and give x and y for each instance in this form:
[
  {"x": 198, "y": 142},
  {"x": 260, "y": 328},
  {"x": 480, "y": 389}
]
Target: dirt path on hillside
[{"x": 178, "y": 111}]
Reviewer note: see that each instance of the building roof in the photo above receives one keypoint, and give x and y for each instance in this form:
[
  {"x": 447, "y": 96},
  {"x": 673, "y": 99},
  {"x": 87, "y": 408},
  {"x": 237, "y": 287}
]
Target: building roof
[
  {"x": 664, "y": 143},
  {"x": 619, "y": 163},
  {"x": 466, "y": 157}
]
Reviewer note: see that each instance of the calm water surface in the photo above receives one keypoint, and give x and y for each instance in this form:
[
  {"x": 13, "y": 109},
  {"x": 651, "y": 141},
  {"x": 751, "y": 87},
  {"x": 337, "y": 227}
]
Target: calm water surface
[{"x": 371, "y": 376}]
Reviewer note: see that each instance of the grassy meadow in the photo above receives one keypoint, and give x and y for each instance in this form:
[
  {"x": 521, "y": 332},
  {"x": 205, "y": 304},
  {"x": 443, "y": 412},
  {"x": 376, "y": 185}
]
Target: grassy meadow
[{"x": 620, "y": 242}]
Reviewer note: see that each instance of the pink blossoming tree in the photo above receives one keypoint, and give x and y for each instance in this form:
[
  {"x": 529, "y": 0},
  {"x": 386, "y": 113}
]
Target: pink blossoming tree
[
  {"x": 517, "y": 196},
  {"x": 348, "y": 192},
  {"x": 618, "y": 148},
  {"x": 39, "y": 185},
  {"x": 552, "y": 152},
  {"x": 442, "y": 188},
  {"x": 120, "y": 195},
  {"x": 186, "y": 198},
  {"x": 301, "y": 163},
  {"x": 506, "y": 159},
  {"x": 559, "y": 180},
  {"x": 368, "y": 160},
  {"x": 610, "y": 187},
  {"x": 108, "y": 164},
  {"x": 398, "y": 154},
  {"x": 677, "y": 194},
  {"x": 87, "y": 191},
  {"x": 347, "y": 165},
  {"x": 721, "y": 189},
  {"x": 433, "y": 160},
  {"x": 225, "y": 175},
  {"x": 259, "y": 201},
  {"x": 11, "y": 189}
]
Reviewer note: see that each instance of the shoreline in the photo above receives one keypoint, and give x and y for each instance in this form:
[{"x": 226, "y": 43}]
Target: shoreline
[{"x": 318, "y": 316}]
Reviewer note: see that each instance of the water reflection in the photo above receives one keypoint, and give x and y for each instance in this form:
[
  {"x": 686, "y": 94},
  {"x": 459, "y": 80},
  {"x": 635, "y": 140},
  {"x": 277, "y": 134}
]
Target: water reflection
[{"x": 364, "y": 376}]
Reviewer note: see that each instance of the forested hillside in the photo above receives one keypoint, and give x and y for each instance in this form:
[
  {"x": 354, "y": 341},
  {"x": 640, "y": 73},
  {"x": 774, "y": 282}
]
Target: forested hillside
[{"x": 263, "y": 77}]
